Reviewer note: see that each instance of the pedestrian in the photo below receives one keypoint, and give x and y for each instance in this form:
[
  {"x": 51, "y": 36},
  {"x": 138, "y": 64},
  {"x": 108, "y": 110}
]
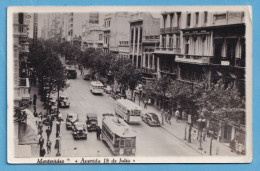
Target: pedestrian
[
  {"x": 184, "y": 115},
  {"x": 145, "y": 103},
  {"x": 51, "y": 124},
  {"x": 42, "y": 152},
  {"x": 204, "y": 133},
  {"x": 162, "y": 115},
  {"x": 169, "y": 116},
  {"x": 57, "y": 128},
  {"x": 48, "y": 145},
  {"x": 41, "y": 142},
  {"x": 40, "y": 126},
  {"x": 177, "y": 115},
  {"x": 98, "y": 132},
  {"x": 48, "y": 133},
  {"x": 34, "y": 97}
]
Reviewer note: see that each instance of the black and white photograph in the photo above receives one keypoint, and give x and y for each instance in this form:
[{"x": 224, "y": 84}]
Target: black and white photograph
[{"x": 130, "y": 84}]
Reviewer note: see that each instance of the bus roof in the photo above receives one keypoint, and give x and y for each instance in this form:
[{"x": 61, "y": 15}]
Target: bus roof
[
  {"x": 128, "y": 104},
  {"x": 96, "y": 83},
  {"x": 119, "y": 127}
]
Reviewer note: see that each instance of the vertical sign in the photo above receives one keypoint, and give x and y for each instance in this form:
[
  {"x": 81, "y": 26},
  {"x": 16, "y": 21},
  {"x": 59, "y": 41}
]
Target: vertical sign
[{"x": 35, "y": 29}]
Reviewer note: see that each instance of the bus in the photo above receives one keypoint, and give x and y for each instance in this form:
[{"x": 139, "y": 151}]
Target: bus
[
  {"x": 96, "y": 87},
  {"x": 119, "y": 136},
  {"x": 128, "y": 110}
]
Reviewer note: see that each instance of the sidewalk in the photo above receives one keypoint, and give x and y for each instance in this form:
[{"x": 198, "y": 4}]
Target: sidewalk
[
  {"x": 40, "y": 108},
  {"x": 177, "y": 129}
]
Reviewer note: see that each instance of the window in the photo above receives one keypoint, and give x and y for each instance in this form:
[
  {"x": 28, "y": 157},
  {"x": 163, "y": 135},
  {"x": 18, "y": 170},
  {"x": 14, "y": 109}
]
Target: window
[
  {"x": 220, "y": 16},
  {"x": 177, "y": 41},
  {"x": 100, "y": 36},
  {"x": 205, "y": 17},
  {"x": 141, "y": 34},
  {"x": 196, "y": 18},
  {"x": 170, "y": 42},
  {"x": 132, "y": 35},
  {"x": 164, "y": 21},
  {"x": 188, "y": 19},
  {"x": 21, "y": 18},
  {"x": 186, "y": 48},
  {"x": 178, "y": 19}
]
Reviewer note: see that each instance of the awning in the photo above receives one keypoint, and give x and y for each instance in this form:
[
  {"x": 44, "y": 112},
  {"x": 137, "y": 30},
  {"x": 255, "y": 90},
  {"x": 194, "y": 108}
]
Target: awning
[{"x": 27, "y": 131}]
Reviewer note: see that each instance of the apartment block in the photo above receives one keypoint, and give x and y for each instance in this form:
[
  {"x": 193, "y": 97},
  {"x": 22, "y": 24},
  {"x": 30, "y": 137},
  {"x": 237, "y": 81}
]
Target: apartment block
[
  {"x": 21, "y": 51},
  {"x": 116, "y": 33},
  {"x": 143, "y": 31}
]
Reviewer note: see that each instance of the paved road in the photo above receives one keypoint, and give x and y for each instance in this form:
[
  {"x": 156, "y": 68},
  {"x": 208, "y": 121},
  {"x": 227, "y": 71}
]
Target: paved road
[{"x": 151, "y": 141}]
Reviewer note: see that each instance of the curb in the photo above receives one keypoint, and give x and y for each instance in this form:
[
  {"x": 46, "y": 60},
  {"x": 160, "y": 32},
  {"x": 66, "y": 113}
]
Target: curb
[{"x": 200, "y": 152}]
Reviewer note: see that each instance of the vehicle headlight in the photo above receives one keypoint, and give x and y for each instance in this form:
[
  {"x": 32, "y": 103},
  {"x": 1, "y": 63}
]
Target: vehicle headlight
[{"x": 88, "y": 125}]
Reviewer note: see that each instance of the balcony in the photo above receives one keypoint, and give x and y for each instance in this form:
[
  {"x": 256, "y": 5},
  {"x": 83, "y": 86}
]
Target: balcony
[
  {"x": 21, "y": 29},
  {"x": 170, "y": 30},
  {"x": 164, "y": 50},
  {"x": 148, "y": 70},
  {"x": 22, "y": 91},
  {"x": 194, "y": 59},
  {"x": 105, "y": 45},
  {"x": 137, "y": 17}
]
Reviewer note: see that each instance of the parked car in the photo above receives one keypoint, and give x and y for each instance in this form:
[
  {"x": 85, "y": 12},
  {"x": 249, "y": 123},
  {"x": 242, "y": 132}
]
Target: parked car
[
  {"x": 79, "y": 131},
  {"x": 64, "y": 101},
  {"x": 108, "y": 89},
  {"x": 91, "y": 121},
  {"x": 71, "y": 119},
  {"x": 150, "y": 119}
]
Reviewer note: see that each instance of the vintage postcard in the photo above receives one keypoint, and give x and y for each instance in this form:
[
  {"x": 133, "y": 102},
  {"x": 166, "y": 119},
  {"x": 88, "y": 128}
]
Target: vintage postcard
[{"x": 129, "y": 84}]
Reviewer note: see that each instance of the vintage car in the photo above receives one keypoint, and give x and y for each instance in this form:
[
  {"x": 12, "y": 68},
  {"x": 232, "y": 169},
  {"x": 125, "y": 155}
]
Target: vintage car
[
  {"x": 150, "y": 119},
  {"x": 71, "y": 119},
  {"x": 108, "y": 89},
  {"x": 71, "y": 73},
  {"x": 64, "y": 101},
  {"x": 91, "y": 121},
  {"x": 79, "y": 131}
]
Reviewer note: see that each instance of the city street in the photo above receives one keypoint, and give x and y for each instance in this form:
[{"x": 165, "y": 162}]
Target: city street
[{"x": 151, "y": 141}]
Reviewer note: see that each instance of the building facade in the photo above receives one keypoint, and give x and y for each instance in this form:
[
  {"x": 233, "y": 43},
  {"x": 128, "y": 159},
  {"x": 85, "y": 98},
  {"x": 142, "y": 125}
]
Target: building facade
[
  {"x": 203, "y": 45},
  {"x": 21, "y": 51},
  {"x": 143, "y": 26},
  {"x": 92, "y": 37},
  {"x": 116, "y": 33}
]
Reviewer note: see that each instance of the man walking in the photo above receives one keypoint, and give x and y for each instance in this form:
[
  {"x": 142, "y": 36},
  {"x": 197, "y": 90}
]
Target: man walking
[
  {"x": 145, "y": 103},
  {"x": 98, "y": 132},
  {"x": 57, "y": 128},
  {"x": 48, "y": 132},
  {"x": 41, "y": 142}
]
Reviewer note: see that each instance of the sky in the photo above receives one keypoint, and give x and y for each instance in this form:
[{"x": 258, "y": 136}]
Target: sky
[{"x": 82, "y": 19}]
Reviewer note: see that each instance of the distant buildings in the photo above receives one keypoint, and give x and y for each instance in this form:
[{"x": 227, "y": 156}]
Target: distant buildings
[
  {"x": 21, "y": 50},
  {"x": 92, "y": 36},
  {"x": 143, "y": 25},
  {"x": 116, "y": 33}
]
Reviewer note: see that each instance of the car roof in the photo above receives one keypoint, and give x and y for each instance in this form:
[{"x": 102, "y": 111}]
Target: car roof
[{"x": 79, "y": 123}]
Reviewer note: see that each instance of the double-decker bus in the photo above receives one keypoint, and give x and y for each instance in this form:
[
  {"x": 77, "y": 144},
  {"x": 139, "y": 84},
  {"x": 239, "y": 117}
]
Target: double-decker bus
[
  {"x": 128, "y": 110},
  {"x": 119, "y": 136}
]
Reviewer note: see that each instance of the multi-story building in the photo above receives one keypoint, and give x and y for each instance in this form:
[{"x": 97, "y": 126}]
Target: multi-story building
[
  {"x": 195, "y": 46},
  {"x": 92, "y": 36},
  {"x": 170, "y": 41},
  {"x": 21, "y": 50},
  {"x": 123, "y": 49},
  {"x": 116, "y": 32},
  {"x": 143, "y": 26}
]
